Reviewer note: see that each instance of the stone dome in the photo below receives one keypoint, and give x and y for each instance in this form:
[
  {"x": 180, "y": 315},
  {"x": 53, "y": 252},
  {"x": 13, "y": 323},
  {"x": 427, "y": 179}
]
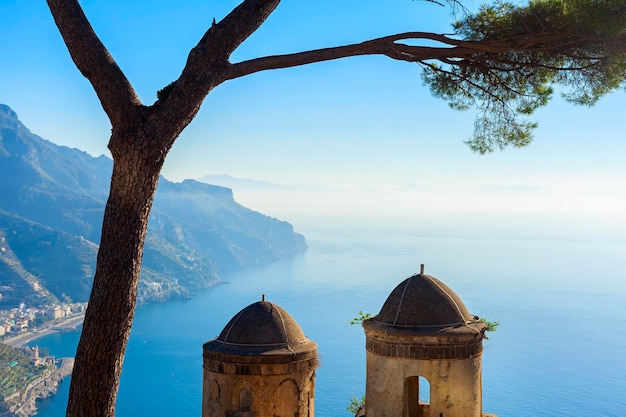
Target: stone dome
[
  {"x": 262, "y": 328},
  {"x": 423, "y": 301}
]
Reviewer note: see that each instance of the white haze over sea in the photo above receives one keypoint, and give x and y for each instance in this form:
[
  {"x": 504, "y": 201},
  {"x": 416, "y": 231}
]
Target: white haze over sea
[
  {"x": 550, "y": 268},
  {"x": 552, "y": 210}
]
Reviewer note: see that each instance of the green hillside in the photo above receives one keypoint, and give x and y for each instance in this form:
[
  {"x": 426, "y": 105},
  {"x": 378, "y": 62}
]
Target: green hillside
[
  {"x": 52, "y": 202},
  {"x": 17, "y": 370}
]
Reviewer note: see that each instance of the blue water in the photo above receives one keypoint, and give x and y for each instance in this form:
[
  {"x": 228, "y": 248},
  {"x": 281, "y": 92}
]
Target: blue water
[{"x": 560, "y": 350}]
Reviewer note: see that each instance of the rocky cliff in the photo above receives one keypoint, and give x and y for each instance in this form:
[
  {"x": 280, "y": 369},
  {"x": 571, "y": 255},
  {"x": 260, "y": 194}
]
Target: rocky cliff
[
  {"x": 24, "y": 403},
  {"x": 51, "y": 206}
]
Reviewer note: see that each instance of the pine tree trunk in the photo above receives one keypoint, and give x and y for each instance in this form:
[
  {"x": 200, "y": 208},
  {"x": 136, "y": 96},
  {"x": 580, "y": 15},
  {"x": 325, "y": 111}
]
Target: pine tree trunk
[{"x": 109, "y": 316}]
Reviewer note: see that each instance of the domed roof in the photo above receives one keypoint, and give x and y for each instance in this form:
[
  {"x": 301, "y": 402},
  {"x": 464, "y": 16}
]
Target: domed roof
[
  {"x": 423, "y": 301},
  {"x": 262, "y": 328}
]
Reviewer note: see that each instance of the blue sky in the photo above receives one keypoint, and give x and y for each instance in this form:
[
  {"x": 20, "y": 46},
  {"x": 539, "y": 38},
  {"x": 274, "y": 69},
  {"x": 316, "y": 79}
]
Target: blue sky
[{"x": 356, "y": 123}]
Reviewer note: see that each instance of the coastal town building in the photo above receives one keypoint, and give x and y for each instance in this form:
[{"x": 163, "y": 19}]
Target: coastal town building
[
  {"x": 423, "y": 353},
  {"x": 29, "y": 373},
  {"x": 55, "y": 312},
  {"x": 21, "y": 319}
]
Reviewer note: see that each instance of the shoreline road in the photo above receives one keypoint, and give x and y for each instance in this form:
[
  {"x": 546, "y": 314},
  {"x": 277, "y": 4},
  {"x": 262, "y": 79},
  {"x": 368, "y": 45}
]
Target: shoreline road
[{"x": 62, "y": 325}]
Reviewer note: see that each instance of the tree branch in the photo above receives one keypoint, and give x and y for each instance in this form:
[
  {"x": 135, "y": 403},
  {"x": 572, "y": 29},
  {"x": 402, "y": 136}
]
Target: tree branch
[
  {"x": 208, "y": 62},
  {"x": 391, "y": 47},
  {"x": 94, "y": 61},
  {"x": 381, "y": 46}
]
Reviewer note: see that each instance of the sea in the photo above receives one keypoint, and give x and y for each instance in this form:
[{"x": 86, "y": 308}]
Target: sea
[{"x": 560, "y": 349}]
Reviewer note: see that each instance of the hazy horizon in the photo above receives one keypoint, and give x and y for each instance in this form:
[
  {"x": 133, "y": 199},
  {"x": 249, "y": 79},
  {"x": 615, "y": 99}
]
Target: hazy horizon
[
  {"x": 352, "y": 123},
  {"x": 482, "y": 211}
]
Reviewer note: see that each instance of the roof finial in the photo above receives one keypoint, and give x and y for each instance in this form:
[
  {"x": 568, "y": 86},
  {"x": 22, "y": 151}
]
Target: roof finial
[
  {"x": 262, "y": 297},
  {"x": 421, "y": 269}
]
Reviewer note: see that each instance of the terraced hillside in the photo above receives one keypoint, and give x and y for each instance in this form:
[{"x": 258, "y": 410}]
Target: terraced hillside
[
  {"x": 51, "y": 206},
  {"x": 17, "y": 371}
]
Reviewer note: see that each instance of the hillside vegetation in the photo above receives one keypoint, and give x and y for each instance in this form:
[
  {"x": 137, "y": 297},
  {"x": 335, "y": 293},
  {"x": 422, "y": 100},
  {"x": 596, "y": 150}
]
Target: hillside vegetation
[
  {"x": 51, "y": 206},
  {"x": 17, "y": 370}
]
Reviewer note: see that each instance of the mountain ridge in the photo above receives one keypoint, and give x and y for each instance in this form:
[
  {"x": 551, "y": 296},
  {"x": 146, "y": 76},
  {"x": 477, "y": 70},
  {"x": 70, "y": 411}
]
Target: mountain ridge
[{"x": 56, "y": 195}]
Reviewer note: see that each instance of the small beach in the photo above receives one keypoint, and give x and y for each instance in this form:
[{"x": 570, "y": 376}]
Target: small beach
[{"x": 61, "y": 325}]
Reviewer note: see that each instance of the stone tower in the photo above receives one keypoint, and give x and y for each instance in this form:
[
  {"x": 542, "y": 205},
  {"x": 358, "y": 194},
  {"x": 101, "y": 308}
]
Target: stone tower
[
  {"x": 261, "y": 365},
  {"x": 425, "y": 335}
]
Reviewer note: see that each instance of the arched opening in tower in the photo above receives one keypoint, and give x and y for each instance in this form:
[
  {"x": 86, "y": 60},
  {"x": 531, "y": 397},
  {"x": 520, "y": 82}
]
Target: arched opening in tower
[
  {"x": 245, "y": 400},
  {"x": 286, "y": 399},
  {"x": 417, "y": 396}
]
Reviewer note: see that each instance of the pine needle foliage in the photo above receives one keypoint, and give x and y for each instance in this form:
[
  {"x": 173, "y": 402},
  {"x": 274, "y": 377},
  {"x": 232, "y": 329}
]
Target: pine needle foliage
[{"x": 524, "y": 53}]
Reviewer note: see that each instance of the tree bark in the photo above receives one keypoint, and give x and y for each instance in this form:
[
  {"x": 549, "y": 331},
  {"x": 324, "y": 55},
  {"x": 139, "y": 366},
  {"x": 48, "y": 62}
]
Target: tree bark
[
  {"x": 141, "y": 138},
  {"x": 112, "y": 303}
]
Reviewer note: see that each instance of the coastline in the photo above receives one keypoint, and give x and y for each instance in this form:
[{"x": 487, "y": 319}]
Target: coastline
[
  {"x": 24, "y": 403},
  {"x": 61, "y": 325}
]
